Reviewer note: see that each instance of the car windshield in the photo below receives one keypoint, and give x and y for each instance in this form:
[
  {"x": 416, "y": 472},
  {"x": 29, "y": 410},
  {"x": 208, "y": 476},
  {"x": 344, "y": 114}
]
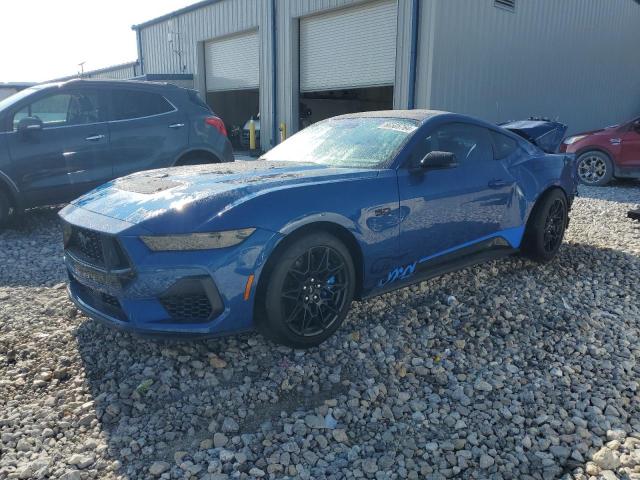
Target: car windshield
[
  {"x": 366, "y": 142},
  {"x": 16, "y": 97}
]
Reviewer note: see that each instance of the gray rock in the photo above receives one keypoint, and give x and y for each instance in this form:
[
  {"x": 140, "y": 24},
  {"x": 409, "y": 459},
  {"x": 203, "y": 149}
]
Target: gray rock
[
  {"x": 158, "y": 468},
  {"x": 486, "y": 461}
]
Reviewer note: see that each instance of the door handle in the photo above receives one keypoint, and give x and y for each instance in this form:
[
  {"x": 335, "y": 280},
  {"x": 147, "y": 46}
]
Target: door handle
[
  {"x": 94, "y": 138},
  {"x": 176, "y": 125},
  {"x": 498, "y": 183}
]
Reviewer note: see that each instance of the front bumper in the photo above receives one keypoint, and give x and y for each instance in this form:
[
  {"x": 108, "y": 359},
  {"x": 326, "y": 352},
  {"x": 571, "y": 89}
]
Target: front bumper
[{"x": 191, "y": 293}]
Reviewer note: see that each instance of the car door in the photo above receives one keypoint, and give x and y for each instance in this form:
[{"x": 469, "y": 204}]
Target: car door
[
  {"x": 630, "y": 151},
  {"x": 147, "y": 130},
  {"x": 68, "y": 154},
  {"x": 449, "y": 208}
]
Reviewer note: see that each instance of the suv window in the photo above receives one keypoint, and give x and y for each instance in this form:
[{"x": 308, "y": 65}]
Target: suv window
[
  {"x": 503, "y": 146},
  {"x": 63, "y": 109},
  {"x": 130, "y": 104},
  {"x": 471, "y": 144}
]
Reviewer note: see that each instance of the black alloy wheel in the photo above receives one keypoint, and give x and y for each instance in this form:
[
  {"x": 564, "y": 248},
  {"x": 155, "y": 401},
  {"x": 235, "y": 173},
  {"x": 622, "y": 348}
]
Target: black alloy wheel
[
  {"x": 306, "y": 291},
  {"x": 546, "y": 226},
  {"x": 554, "y": 226},
  {"x": 315, "y": 291}
]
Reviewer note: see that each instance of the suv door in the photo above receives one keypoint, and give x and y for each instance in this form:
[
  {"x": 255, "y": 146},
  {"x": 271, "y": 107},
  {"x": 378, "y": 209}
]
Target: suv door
[
  {"x": 630, "y": 155},
  {"x": 147, "y": 130},
  {"x": 69, "y": 155},
  {"x": 454, "y": 207}
]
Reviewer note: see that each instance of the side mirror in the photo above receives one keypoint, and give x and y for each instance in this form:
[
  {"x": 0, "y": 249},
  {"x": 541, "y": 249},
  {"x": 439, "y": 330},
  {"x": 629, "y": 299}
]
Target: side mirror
[
  {"x": 438, "y": 160},
  {"x": 29, "y": 124}
]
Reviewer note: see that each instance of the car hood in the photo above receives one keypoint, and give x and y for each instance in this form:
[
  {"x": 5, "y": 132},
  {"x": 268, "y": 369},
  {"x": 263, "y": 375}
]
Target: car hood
[{"x": 186, "y": 198}]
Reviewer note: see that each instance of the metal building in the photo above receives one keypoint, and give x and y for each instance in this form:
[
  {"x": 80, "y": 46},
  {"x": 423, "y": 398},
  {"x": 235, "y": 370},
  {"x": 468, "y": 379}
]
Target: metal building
[
  {"x": 8, "y": 89},
  {"x": 297, "y": 61},
  {"x": 123, "y": 71}
]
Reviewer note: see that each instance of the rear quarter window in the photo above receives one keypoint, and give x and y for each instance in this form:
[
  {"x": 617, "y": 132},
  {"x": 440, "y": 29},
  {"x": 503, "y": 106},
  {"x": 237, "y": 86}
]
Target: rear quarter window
[
  {"x": 132, "y": 104},
  {"x": 503, "y": 146}
]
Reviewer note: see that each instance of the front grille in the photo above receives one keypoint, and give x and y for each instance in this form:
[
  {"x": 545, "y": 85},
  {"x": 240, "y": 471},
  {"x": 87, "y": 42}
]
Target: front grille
[
  {"x": 192, "y": 308},
  {"x": 86, "y": 244},
  {"x": 100, "y": 301},
  {"x": 95, "y": 248}
]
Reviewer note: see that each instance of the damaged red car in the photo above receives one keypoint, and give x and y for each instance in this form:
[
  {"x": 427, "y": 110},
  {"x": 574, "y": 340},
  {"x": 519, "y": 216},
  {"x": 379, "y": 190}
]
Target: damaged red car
[{"x": 613, "y": 152}]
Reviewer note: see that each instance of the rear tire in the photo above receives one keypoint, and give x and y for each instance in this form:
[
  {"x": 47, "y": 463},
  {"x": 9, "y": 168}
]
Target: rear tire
[
  {"x": 546, "y": 226},
  {"x": 6, "y": 209},
  {"x": 595, "y": 168},
  {"x": 308, "y": 291}
]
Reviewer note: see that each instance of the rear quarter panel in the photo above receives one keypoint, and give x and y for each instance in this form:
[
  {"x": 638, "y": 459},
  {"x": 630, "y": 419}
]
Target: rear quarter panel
[{"x": 536, "y": 173}]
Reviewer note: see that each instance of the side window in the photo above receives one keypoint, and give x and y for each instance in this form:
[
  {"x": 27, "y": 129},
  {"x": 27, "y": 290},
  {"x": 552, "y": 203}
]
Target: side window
[
  {"x": 470, "y": 144},
  {"x": 503, "y": 146},
  {"x": 130, "y": 104},
  {"x": 63, "y": 109}
]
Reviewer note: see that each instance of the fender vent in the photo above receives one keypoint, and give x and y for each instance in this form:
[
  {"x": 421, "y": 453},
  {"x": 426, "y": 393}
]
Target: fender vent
[{"x": 506, "y": 4}]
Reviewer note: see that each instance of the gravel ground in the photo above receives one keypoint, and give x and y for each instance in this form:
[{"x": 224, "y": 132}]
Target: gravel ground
[{"x": 506, "y": 370}]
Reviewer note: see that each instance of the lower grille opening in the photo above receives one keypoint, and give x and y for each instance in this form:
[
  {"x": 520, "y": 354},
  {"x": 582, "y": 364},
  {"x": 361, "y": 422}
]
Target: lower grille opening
[
  {"x": 191, "y": 308},
  {"x": 100, "y": 301},
  {"x": 192, "y": 300}
]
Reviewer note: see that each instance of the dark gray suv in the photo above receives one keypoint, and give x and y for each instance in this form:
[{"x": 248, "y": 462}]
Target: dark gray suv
[{"x": 60, "y": 140}]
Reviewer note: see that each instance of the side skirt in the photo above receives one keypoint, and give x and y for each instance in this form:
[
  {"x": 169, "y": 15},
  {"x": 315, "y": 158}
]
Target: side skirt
[{"x": 484, "y": 251}]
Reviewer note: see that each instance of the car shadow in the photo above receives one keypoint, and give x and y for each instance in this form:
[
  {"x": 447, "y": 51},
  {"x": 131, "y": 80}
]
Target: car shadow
[{"x": 153, "y": 398}]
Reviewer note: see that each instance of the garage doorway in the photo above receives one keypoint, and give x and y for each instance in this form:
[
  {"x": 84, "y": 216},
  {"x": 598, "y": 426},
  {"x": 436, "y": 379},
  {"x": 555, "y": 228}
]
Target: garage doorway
[
  {"x": 316, "y": 106},
  {"x": 347, "y": 61},
  {"x": 232, "y": 82}
]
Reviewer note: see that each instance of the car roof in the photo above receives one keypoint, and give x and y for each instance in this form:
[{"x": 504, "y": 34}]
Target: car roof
[
  {"x": 420, "y": 115},
  {"x": 109, "y": 82}
]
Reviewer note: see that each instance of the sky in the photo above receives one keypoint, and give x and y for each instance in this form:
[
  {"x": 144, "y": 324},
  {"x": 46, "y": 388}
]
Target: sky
[{"x": 45, "y": 39}]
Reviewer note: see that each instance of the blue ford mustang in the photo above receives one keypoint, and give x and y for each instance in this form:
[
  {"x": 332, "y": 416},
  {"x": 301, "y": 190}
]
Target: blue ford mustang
[{"x": 348, "y": 208}]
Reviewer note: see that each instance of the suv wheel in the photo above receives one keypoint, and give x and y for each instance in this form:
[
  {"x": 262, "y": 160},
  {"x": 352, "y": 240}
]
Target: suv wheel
[{"x": 595, "y": 168}]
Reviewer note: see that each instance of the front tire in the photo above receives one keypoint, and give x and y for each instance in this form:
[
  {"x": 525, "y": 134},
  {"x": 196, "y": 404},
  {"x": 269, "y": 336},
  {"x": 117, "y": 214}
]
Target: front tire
[
  {"x": 308, "y": 291},
  {"x": 595, "y": 168},
  {"x": 545, "y": 229}
]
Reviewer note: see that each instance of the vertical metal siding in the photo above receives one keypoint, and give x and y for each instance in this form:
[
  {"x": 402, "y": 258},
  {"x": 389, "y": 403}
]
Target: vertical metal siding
[
  {"x": 574, "y": 60},
  {"x": 117, "y": 73},
  {"x": 571, "y": 59}
]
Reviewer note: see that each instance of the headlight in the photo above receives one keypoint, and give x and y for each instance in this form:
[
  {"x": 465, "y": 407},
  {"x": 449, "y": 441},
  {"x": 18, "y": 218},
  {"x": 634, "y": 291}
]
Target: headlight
[
  {"x": 572, "y": 140},
  {"x": 197, "y": 241}
]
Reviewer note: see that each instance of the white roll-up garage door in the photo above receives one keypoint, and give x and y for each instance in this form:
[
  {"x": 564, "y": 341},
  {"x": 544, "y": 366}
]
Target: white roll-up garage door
[
  {"x": 349, "y": 48},
  {"x": 232, "y": 62}
]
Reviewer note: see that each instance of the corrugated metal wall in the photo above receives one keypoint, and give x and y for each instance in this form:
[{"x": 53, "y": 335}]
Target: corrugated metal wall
[
  {"x": 576, "y": 60},
  {"x": 123, "y": 72},
  {"x": 572, "y": 59}
]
